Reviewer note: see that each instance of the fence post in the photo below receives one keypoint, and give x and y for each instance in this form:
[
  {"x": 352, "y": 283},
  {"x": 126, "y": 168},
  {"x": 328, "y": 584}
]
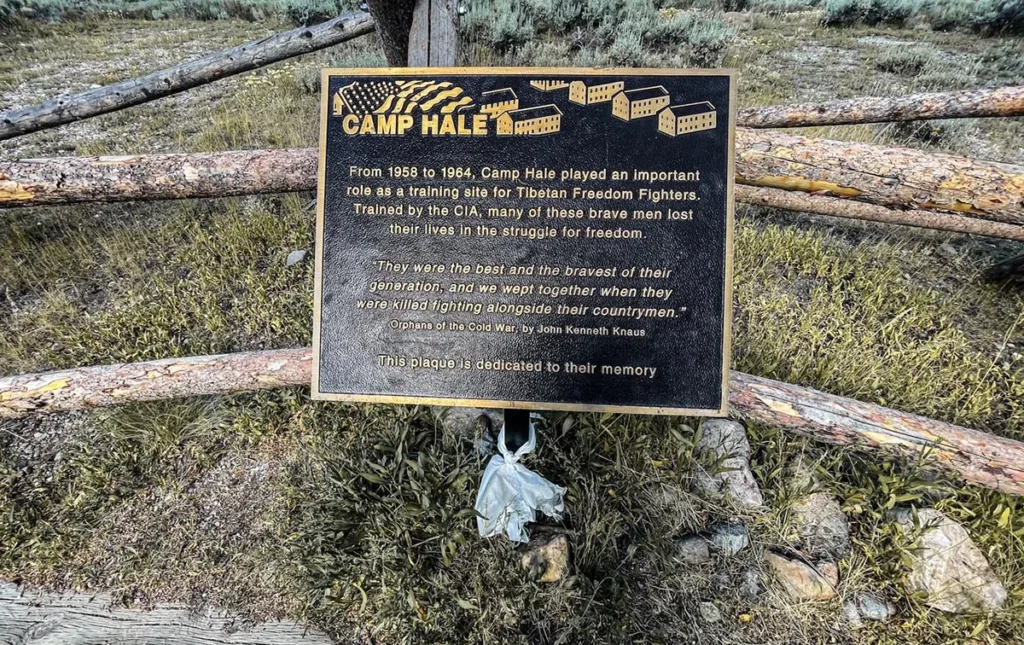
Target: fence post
[{"x": 434, "y": 35}]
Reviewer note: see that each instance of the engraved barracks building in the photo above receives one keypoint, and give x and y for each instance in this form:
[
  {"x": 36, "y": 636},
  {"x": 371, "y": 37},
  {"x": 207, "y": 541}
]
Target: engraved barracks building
[
  {"x": 636, "y": 104},
  {"x": 580, "y": 92},
  {"x": 549, "y": 85},
  {"x": 684, "y": 119},
  {"x": 495, "y": 102},
  {"x": 542, "y": 119}
]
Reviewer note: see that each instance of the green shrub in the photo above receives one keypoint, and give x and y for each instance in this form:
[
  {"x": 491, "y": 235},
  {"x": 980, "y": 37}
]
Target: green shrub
[
  {"x": 603, "y": 32},
  {"x": 900, "y": 60},
  {"x": 842, "y": 13},
  {"x": 889, "y": 12},
  {"x": 987, "y": 17},
  {"x": 778, "y": 7}
]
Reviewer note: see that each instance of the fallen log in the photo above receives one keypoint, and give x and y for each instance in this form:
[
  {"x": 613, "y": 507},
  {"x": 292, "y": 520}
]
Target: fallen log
[
  {"x": 1003, "y": 101},
  {"x": 898, "y": 178},
  {"x": 90, "y": 618},
  {"x": 176, "y": 79},
  {"x": 834, "y": 207},
  {"x": 977, "y": 457}
]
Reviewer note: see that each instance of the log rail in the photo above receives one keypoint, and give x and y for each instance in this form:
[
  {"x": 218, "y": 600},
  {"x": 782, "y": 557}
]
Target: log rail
[
  {"x": 102, "y": 100},
  {"x": 998, "y": 102},
  {"x": 977, "y": 457},
  {"x": 903, "y": 180}
]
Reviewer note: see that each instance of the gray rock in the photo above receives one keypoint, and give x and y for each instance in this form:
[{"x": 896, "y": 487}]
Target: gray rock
[
  {"x": 692, "y": 549},
  {"x": 722, "y": 581},
  {"x": 871, "y": 607},
  {"x": 295, "y": 257},
  {"x": 750, "y": 584},
  {"x": 470, "y": 421},
  {"x": 732, "y": 480},
  {"x": 822, "y": 528},
  {"x": 709, "y": 612},
  {"x": 948, "y": 566},
  {"x": 729, "y": 539},
  {"x": 801, "y": 581},
  {"x": 948, "y": 250},
  {"x": 866, "y": 606},
  {"x": 851, "y": 614}
]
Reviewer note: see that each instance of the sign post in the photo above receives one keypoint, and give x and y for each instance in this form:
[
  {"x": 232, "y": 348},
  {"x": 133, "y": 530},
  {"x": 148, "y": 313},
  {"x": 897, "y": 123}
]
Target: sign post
[{"x": 555, "y": 239}]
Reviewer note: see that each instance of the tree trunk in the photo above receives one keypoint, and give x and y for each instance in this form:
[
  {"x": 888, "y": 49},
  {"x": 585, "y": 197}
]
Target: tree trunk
[
  {"x": 88, "y": 619},
  {"x": 394, "y": 19},
  {"x": 899, "y": 178},
  {"x": 1004, "y": 101},
  {"x": 182, "y": 77},
  {"x": 980, "y": 458},
  {"x": 805, "y": 203}
]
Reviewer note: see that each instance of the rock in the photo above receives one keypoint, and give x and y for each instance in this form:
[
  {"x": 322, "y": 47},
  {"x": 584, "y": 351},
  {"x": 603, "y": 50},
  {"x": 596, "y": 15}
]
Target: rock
[
  {"x": 548, "y": 560},
  {"x": 948, "y": 566},
  {"x": 851, "y": 614},
  {"x": 722, "y": 581},
  {"x": 729, "y": 539},
  {"x": 866, "y": 606},
  {"x": 872, "y": 607},
  {"x": 470, "y": 421},
  {"x": 948, "y": 250},
  {"x": 750, "y": 584},
  {"x": 295, "y": 257},
  {"x": 734, "y": 482},
  {"x": 802, "y": 581},
  {"x": 821, "y": 528},
  {"x": 691, "y": 549},
  {"x": 709, "y": 612}
]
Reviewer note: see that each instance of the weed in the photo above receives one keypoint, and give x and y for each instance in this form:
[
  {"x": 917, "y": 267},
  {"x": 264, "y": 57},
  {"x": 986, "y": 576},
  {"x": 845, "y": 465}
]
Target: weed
[
  {"x": 906, "y": 61},
  {"x": 988, "y": 17}
]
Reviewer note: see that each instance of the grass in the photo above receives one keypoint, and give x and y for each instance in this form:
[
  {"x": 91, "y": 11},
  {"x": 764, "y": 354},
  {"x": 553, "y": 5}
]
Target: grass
[{"x": 356, "y": 518}]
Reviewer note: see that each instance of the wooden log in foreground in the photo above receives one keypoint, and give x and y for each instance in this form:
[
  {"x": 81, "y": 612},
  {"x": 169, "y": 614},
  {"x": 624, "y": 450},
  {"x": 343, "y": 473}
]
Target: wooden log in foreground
[
  {"x": 184, "y": 76},
  {"x": 1003, "y": 101},
  {"x": 87, "y": 619},
  {"x": 899, "y": 178},
  {"x": 834, "y": 207},
  {"x": 978, "y": 457}
]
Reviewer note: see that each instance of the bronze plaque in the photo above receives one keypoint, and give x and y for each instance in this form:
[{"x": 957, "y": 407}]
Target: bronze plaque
[{"x": 554, "y": 239}]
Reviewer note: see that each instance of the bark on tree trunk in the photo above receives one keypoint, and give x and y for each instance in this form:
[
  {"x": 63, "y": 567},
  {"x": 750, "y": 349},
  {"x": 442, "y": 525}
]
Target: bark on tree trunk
[
  {"x": 899, "y": 178},
  {"x": 834, "y": 207},
  {"x": 394, "y": 19},
  {"x": 980, "y": 458},
  {"x": 1004, "y": 101},
  {"x": 182, "y": 77}
]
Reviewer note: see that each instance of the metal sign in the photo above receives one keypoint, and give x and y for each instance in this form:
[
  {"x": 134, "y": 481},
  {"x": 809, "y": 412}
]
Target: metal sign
[{"x": 553, "y": 239}]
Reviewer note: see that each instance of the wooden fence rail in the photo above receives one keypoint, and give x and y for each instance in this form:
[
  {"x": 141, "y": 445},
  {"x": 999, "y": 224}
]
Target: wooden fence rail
[
  {"x": 1003, "y": 101},
  {"x": 900, "y": 178},
  {"x": 176, "y": 79},
  {"x": 977, "y": 457},
  {"x": 806, "y": 203}
]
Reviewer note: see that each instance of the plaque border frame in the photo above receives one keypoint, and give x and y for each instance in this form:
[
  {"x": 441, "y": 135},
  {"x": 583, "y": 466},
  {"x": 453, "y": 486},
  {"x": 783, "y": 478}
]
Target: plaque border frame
[{"x": 327, "y": 73}]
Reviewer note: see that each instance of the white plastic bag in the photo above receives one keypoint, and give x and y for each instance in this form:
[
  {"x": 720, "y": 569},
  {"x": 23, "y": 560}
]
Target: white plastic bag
[{"x": 511, "y": 494}]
